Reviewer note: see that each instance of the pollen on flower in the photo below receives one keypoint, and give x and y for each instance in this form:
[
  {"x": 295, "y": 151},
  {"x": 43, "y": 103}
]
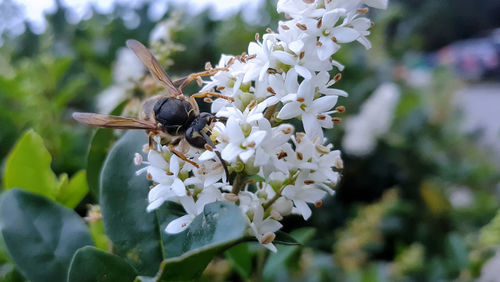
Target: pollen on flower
[
  {"x": 268, "y": 238},
  {"x": 363, "y": 11},
  {"x": 309, "y": 182},
  {"x": 276, "y": 215},
  {"x": 337, "y": 77},
  {"x": 318, "y": 204},
  {"x": 340, "y": 109}
]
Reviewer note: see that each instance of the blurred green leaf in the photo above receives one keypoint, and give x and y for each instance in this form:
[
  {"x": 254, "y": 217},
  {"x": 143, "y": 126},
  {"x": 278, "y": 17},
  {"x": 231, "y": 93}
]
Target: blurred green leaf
[
  {"x": 40, "y": 235},
  {"x": 28, "y": 167},
  {"x": 277, "y": 261},
  {"x": 90, "y": 264},
  {"x": 134, "y": 232},
  {"x": 99, "y": 147},
  {"x": 98, "y": 234},
  {"x": 241, "y": 257},
  {"x": 284, "y": 238},
  {"x": 73, "y": 192}
]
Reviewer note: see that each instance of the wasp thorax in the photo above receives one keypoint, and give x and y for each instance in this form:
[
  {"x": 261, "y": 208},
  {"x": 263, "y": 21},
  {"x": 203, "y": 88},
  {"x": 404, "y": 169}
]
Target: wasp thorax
[
  {"x": 175, "y": 115},
  {"x": 199, "y": 126}
]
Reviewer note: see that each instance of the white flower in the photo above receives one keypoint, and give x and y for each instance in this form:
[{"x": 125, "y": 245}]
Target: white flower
[
  {"x": 169, "y": 185},
  {"x": 314, "y": 113},
  {"x": 374, "y": 119},
  {"x": 261, "y": 226},
  {"x": 242, "y": 143},
  {"x": 301, "y": 194}
]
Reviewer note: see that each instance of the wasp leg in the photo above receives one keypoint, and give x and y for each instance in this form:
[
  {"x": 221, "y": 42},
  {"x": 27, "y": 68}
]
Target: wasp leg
[
  {"x": 151, "y": 134},
  {"x": 212, "y": 94},
  {"x": 193, "y": 103},
  {"x": 182, "y": 156},
  {"x": 195, "y": 76}
]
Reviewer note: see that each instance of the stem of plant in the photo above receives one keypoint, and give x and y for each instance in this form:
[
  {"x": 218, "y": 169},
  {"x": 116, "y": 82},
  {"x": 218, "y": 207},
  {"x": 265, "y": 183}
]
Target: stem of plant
[{"x": 238, "y": 183}]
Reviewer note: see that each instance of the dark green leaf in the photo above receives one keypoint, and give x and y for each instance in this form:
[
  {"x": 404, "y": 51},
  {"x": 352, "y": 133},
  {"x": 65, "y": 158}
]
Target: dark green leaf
[
  {"x": 241, "y": 257},
  {"x": 219, "y": 227},
  {"x": 28, "y": 167},
  {"x": 90, "y": 264},
  {"x": 134, "y": 232},
  {"x": 99, "y": 147},
  {"x": 276, "y": 261},
  {"x": 284, "y": 238},
  {"x": 41, "y": 236}
]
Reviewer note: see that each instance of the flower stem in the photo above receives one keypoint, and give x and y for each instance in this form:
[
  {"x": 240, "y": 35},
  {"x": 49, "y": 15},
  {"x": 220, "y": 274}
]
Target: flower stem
[
  {"x": 268, "y": 114},
  {"x": 238, "y": 183},
  {"x": 274, "y": 199}
]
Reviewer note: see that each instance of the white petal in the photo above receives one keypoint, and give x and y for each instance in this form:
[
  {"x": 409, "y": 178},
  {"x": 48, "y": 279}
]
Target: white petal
[
  {"x": 246, "y": 155},
  {"x": 303, "y": 71},
  {"x": 296, "y": 46},
  {"x": 303, "y": 208},
  {"x": 345, "y": 34},
  {"x": 312, "y": 195},
  {"x": 285, "y": 57},
  {"x": 377, "y": 4},
  {"x": 270, "y": 247},
  {"x": 174, "y": 164},
  {"x": 324, "y": 103},
  {"x": 270, "y": 225},
  {"x": 231, "y": 151},
  {"x": 189, "y": 205},
  {"x": 179, "y": 224},
  {"x": 233, "y": 130},
  {"x": 178, "y": 187},
  {"x": 156, "y": 159},
  {"x": 290, "y": 110},
  {"x": 257, "y": 137},
  {"x": 312, "y": 126},
  {"x": 155, "y": 204},
  {"x": 207, "y": 155}
]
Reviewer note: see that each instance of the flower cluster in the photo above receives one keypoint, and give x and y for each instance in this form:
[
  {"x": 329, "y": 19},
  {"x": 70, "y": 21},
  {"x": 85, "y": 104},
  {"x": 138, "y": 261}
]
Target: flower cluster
[{"x": 275, "y": 170}]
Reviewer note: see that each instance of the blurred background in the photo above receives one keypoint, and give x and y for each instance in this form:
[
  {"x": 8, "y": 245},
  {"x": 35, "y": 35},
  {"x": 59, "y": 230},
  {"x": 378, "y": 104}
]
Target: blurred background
[{"x": 420, "y": 139}]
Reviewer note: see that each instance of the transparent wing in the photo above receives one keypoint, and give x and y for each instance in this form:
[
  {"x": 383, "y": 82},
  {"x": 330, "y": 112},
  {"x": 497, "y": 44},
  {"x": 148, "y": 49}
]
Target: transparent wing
[
  {"x": 108, "y": 121},
  {"x": 153, "y": 66}
]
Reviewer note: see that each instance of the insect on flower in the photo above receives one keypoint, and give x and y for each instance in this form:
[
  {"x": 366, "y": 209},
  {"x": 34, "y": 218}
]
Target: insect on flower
[{"x": 173, "y": 116}]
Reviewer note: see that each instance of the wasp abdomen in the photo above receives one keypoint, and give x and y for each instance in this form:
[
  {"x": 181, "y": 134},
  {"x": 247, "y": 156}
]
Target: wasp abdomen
[{"x": 175, "y": 115}]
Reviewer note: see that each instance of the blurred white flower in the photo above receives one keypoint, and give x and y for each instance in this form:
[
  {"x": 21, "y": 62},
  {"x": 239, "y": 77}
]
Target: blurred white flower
[{"x": 374, "y": 119}]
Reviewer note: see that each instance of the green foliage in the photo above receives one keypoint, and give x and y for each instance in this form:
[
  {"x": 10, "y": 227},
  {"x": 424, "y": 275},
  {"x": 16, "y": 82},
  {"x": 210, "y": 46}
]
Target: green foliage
[
  {"x": 40, "y": 235},
  {"x": 90, "y": 264},
  {"x": 28, "y": 168}
]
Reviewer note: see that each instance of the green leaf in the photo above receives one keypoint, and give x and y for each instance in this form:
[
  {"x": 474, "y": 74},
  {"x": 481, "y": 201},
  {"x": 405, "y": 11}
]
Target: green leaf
[
  {"x": 241, "y": 257},
  {"x": 28, "y": 167},
  {"x": 99, "y": 146},
  {"x": 284, "y": 238},
  {"x": 73, "y": 192},
  {"x": 277, "y": 261},
  {"x": 134, "y": 232},
  {"x": 98, "y": 234},
  {"x": 219, "y": 227},
  {"x": 90, "y": 264},
  {"x": 41, "y": 236}
]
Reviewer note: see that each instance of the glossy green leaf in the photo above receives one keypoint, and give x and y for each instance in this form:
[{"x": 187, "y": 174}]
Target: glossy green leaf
[
  {"x": 101, "y": 142},
  {"x": 276, "y": 261},
  {"x": 241, "y": 258},
  {"x": 90, "y": 264},
  {"x": 134, "y": 232},
  {"x": 41, "y": 236},
  {"x": 71, "y": 193},
  {"x": 220, "y": 227},
  {"x": 28, "y": 167}
]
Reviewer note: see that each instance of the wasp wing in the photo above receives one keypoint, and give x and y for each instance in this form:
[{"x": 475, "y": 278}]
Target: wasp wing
[
  {"x": 109, "y": 121},
  {"x": 153, "y": 66}
]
